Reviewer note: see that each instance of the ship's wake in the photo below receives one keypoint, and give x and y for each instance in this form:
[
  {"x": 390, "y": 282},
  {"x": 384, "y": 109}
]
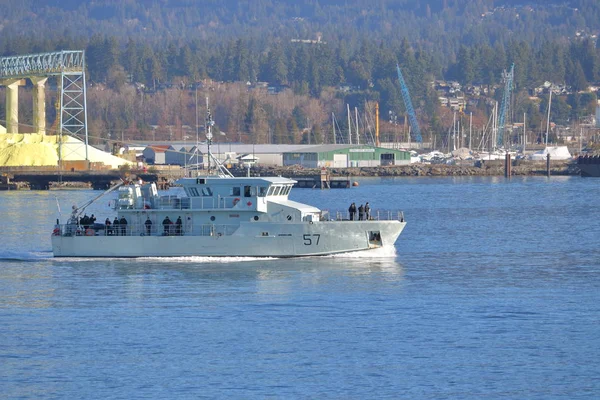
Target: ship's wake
[
  {"x": 203, "y": 259},
  {"x": 25, "y": 256},
  {"x": 382, "y": 252}
]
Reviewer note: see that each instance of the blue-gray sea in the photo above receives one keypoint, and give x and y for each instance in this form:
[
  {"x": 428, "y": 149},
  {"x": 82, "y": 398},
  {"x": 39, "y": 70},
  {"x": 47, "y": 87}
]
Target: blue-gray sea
[{"x": 492, "y": 291}]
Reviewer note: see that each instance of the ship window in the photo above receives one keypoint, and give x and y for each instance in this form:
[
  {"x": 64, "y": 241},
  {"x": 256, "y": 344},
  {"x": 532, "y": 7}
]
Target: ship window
[
  {"x": 235, "y": 191},
  {"x": 262, "y": 191},
  {"x": 212, "y": 218},
  {"x": 193, "y": 192},
  {"x": 200, "y": 181},
  {"x": 247, "y": 191},
  {"x": 277, "y": 190},
  {"x": 206, "y": 191},
  {"x": 287, "y": 190},
  {"x": 271, "y": 190}
]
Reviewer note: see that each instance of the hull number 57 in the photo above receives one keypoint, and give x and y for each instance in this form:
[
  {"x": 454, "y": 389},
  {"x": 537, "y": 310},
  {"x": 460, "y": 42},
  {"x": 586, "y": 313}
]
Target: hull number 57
[{"x": 311, "y": 239}]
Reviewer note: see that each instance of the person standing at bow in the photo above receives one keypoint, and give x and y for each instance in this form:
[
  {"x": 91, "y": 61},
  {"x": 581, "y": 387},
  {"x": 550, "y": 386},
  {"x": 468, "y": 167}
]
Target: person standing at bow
[{"x": 352, "y": 211}]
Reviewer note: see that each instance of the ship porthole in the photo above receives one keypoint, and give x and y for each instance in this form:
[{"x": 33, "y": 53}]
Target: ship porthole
[
  {"x": 289, "y": 217},
  {"x": 256, "y": 217},
  {"x": 212, "y": 218}
]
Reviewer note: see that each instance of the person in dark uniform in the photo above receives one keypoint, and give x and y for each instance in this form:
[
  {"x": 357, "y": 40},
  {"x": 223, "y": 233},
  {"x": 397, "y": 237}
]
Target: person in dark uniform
[
  {"x": 352, "y": 211},
  {"x": 116, "y": 226},
  {"x": 361, "y": 212},
  {"x": 166, "y": 225},
  {"x": 123, "y": 225},
  {"x": 367, "y": 211},
  {"x": 178, "y": 226},
  {"x": 148, "y": 224},
  {"x": 107, "y": 223},
  {"x": 92, "y": 220}
]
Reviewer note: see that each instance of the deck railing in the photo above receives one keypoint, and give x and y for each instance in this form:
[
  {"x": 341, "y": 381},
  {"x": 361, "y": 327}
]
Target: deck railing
[
  {"x": 144, "y": 230},
  {"x": 376, "y": 215},
  {"x": 202, "y": 230},
  {"x": 173, "y": 202}
]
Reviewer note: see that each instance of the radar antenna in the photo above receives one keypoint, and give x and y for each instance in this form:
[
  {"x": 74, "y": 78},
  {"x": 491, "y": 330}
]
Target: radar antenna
[{"x": 209, "y": 123}]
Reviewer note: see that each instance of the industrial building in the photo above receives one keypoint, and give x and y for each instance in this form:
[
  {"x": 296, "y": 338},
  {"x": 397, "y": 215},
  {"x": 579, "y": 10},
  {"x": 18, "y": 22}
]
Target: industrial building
[
  {"x": 185, "y": 155},
  {"x": 157, "y": 154},
  {"x": 343, "y": 156},
  {"x": 308, "y": 156},
  {"x": 180, "y": 153}
]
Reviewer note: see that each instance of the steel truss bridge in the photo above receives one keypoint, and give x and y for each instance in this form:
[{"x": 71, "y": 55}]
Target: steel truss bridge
[{"x": 69, "y": 67}]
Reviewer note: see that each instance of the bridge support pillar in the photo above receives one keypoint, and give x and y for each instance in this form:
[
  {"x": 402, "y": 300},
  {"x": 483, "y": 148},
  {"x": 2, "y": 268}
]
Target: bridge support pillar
[
  {"x": 12, "y": 104},
  {"x": 39, "y": 103}
]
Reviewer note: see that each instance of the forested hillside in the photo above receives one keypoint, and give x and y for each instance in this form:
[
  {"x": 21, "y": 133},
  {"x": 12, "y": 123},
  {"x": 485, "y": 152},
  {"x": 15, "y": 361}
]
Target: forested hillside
[{"x": 311, "y": 47}]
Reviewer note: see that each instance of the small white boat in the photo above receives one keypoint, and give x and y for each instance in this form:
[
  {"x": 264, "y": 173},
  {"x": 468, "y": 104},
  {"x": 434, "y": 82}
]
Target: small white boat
[{"x": 556, "y": 153}]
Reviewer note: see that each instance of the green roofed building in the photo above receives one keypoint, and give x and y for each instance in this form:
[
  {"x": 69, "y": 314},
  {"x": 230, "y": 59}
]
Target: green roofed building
[{"x": 344, "y": 155}]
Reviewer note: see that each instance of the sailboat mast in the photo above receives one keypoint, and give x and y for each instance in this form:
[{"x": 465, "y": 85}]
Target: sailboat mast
[
  {"x": 524, "y": 131},
  {"x": 470, "y": 128},
  {"x": 349, "y": 124},
  {"x": 548, "y": 119},
  {"x": 453, "y": 131},
  {"x": 333, "y": 127},
  {"x": 356, "y": 117}
]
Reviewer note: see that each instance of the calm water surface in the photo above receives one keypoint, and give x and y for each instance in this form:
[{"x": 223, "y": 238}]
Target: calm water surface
[{"x": 492, "y": 292}]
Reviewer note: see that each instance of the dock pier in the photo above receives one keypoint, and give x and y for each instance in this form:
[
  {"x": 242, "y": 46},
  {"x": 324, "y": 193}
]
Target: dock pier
[{"x": 98, "y": 180}]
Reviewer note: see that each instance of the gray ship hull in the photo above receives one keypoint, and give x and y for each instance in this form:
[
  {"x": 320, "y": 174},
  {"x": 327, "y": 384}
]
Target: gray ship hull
[
  {"x": 249, "y": 240},
  {"x": 590, "y": 170}
]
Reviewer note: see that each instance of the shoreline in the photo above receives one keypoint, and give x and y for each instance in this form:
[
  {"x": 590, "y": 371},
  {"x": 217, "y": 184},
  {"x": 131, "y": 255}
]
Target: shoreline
[
  {"x": 487, "y": 168},
  {"x": 490, "y": 168}
]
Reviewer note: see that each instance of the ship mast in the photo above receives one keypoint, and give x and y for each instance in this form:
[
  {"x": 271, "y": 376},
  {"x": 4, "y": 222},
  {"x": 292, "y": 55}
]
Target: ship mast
[{"x": 208, "y": 126}]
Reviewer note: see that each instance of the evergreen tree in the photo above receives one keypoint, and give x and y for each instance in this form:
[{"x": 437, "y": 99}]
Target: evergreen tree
[
  {"x": 466, "y": 66},
  {"x": 576, "y": 79}
]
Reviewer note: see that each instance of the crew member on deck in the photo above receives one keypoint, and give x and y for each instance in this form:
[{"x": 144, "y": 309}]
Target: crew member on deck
[
  {"x": 361, "y": 212},
  {"x": 178, "y": 226},
  {"x": 352, "y": 211},
  {"x": 166, "y": 225},
  {"x": 123, "y": 224},
  {"x": 108, "y": 228},
  {"x": 116, "y": 226},
  {"x": 367, "y": 211},
  {"x": 148, "y": 224}
]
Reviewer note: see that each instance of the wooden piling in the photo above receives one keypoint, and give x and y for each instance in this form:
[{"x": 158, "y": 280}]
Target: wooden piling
[{"x": 507, "y": 166}]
